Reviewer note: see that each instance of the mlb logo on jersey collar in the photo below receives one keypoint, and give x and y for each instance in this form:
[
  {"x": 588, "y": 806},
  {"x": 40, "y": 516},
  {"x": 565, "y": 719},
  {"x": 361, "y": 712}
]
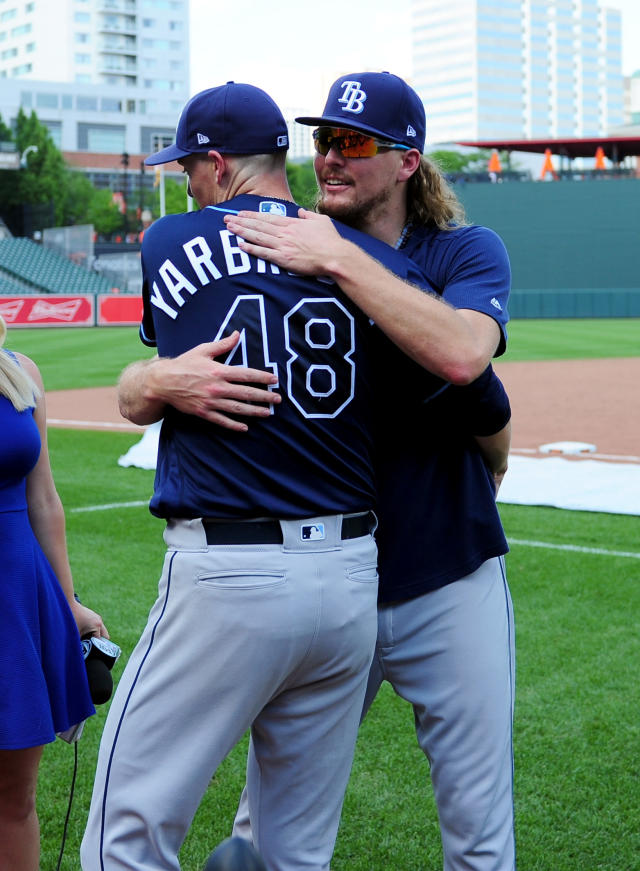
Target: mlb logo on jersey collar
[{"x": 272, "y": 208}]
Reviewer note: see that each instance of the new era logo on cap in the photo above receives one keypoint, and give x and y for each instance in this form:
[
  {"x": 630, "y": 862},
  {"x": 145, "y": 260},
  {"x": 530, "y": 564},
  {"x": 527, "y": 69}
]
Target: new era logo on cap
[{"x": 202, "y": 139}]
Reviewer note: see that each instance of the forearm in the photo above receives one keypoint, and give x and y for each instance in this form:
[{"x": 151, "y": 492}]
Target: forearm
[
  {"x": 495, "y": 451},
  {"x": 443, "y": 340},
  {"x": 140, "y": 392},
  {"x": 454, "y": 344},
  {"x": 46, "y": 516}
]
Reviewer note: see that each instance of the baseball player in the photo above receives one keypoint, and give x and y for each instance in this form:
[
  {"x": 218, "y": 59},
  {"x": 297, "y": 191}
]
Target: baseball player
[
  {"x": 266, "y": 609},
  {"x": 445, "y": 622}
]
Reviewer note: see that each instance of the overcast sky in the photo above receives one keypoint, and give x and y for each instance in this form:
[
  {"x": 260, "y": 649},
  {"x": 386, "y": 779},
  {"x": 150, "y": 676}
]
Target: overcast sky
[{"x": 296, "y": 50}]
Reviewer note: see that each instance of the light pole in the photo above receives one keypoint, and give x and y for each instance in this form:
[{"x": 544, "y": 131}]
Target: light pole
[
  {"x": 125, "y": 164},
  {"x": 23, "y": 156}
]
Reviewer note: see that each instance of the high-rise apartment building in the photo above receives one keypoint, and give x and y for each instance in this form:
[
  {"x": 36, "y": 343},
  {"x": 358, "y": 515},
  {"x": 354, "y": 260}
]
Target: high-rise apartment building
[
  {"x": 517, "y": 69},
  {"x": 105, "y": 76}
]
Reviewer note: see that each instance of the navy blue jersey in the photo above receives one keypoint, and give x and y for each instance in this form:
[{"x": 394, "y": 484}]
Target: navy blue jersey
[
  {"x": 467, "y": 266},
  {"x": 437, "y": 510},
  {"x": 313, "y": 455}
]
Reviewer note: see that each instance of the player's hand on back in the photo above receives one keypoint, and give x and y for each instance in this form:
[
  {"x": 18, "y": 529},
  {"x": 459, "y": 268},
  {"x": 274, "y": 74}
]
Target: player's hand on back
[
  {"x": 302, "y": 246},
  {"x": 195, "y": 383}
]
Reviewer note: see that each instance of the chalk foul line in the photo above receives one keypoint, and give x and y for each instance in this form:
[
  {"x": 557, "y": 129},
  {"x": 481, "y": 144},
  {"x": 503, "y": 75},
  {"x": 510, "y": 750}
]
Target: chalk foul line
[
  {"x": 574, "y": 548},
  {"x": 523, "y": 542}
]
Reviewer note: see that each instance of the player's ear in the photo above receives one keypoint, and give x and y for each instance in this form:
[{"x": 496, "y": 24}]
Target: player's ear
[
  {"x": 219, "y": 164},
  {"x": 410, "y": 161}
]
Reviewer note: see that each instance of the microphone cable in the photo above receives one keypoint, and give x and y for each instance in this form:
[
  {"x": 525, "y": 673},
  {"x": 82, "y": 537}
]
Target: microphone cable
[{"x": 71, "y": 793}]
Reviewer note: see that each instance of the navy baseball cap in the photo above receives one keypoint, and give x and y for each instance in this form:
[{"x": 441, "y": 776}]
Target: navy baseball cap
[
  {"x": 380, "y": 104},
  {"x": 232, "y": 119}
]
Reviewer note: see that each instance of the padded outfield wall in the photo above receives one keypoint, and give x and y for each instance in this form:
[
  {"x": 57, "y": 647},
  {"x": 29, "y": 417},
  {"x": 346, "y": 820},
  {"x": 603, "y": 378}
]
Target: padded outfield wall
[{"x": 574, "y": 246}]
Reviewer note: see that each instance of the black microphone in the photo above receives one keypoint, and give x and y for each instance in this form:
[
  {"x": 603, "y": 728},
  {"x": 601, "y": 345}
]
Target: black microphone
[
  {"x": 100, "y": 655},
  {"x": 100, "y": 681}
]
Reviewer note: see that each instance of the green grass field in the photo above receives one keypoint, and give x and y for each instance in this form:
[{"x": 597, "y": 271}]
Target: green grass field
[{"x": 577, "y": 724}]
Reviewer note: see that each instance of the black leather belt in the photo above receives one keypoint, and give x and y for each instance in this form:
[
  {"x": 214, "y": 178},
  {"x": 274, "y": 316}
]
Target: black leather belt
[{"x": 270, "y": 531}]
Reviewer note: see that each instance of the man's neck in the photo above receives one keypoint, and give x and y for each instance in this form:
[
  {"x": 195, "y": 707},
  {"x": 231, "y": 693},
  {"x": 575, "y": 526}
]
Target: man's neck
[
  {"x": 261, "y": 186},
  {"x": 387, "y": 226}
]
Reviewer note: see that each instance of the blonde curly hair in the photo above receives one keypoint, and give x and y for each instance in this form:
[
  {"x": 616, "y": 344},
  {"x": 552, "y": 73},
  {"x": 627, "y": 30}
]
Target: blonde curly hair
[
  {"x": 16, "y": 384},
  {"x": 430, "y": 199}
]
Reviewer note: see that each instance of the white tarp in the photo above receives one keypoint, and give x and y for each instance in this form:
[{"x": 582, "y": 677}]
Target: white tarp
[{"x": 578, "y": 484}]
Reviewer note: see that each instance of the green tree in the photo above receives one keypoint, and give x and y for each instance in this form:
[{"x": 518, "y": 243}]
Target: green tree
[
  {"x": 472, "y": 161},
  {"x": 78, "y": 195},
  {"x": 103, "y": 213},
  {"x": 175, "y": 198},
  {"x": 5, "y": 132},
  {"x": 44, "y": 178},
  {"x": 302, "y": 181}
]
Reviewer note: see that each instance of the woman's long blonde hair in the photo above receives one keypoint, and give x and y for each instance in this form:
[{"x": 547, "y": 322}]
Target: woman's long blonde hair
[
  {"x": 16, "y": 384},
  {"x": 430, "y": 199}
]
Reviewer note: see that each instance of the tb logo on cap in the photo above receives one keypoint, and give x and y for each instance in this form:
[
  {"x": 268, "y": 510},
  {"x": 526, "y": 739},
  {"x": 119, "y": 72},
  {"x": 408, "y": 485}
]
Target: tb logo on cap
[{"x": 353, "y": 97}]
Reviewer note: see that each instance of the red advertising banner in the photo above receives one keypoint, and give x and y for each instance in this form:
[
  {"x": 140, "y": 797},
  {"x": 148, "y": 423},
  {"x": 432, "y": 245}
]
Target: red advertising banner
[
  {"x": 119, "y": 309},
  {"x": 46, "y": 311}
]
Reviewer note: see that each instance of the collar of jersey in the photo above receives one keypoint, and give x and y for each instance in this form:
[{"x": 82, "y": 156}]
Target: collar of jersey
[{"x": 247, "y": 198}]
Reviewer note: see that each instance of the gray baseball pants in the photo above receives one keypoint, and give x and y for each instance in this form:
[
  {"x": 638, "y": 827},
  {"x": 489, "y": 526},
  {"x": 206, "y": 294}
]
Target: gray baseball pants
[
  {"x": 278, "y": 638},
  {"x": 450, "y": 653}
]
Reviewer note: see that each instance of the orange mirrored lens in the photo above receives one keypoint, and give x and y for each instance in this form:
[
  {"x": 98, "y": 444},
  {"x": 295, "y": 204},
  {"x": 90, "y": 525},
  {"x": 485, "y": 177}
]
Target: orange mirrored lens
[{"x": 349, "y": 143}]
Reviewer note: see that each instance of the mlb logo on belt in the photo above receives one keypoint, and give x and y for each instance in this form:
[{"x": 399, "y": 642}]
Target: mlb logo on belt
[{"x": 312, "y": 532}]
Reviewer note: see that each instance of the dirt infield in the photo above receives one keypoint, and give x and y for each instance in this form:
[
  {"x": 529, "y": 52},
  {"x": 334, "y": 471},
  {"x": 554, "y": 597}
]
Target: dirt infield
[{"x": 591, "y": 401}]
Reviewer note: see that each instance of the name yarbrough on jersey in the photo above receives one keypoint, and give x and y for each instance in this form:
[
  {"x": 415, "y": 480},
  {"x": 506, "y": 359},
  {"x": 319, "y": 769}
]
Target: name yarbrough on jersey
[
  {"x": 318, "y": 332},
  {"x": 171, "y": 297}
]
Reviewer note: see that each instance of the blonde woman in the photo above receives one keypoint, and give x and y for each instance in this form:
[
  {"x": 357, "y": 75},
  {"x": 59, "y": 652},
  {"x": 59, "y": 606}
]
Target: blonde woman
[{"x": 43, "y": 681}]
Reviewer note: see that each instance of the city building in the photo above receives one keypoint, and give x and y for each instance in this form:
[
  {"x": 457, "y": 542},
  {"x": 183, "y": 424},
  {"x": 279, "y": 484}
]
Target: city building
[{"x": 517, "y": 69}]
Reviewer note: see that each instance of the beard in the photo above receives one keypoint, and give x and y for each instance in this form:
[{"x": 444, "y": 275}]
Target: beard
[{"x": 359, "y": 213}]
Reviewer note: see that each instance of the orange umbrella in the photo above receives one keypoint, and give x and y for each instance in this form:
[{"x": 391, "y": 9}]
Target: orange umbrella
[
  {"x": 494, "y": 162},
  {"x": 600, "y": 164},
  {"x": 548, "y": 165}
]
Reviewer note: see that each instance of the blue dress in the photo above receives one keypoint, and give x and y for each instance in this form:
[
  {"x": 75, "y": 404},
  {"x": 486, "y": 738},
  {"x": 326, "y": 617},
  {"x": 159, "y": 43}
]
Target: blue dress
[{"x": 43, "y": 680}]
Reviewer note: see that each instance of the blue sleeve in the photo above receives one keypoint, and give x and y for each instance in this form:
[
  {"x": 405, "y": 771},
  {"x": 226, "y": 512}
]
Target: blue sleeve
[
  {"x": 478, "y": 275},
  {"x": 482, "y": 407},
  {"x": 147, "y": 330}
]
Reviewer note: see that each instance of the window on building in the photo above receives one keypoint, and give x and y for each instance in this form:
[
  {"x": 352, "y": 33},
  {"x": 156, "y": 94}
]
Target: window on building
[
  {"x": 21, "y": 29},
  {"x": 106, "y": 138},
  {"x": 7, "y": 14},
  {"x": 82, "y": 58},
  {"x": 29, "y": 47},
  {"x": 22, "y": 70},
  {"x": 110, "y": 104},
  {"x": 81, "y": 17},
  {"x": 85, "y": 103},
  {"x": 81, "y": 37},
  {"x": 8, "y": 52},
  {"x": 67, "y": 101},
  {"x": 55, "y": 131},
  {"x": 46, "y": 101},
  {"x": 82, "y": 78}
]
